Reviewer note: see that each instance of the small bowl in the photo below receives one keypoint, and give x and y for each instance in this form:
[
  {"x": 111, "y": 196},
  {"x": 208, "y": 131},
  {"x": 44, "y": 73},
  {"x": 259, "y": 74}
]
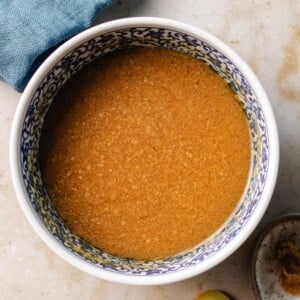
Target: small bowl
[
  {"x": 69, "y": 59},
  {"x": 266, "y": 270}
]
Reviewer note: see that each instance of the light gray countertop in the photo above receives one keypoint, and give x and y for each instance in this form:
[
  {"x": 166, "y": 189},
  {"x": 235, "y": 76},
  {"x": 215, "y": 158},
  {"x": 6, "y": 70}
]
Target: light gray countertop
[{"x": 266, "y": 34}]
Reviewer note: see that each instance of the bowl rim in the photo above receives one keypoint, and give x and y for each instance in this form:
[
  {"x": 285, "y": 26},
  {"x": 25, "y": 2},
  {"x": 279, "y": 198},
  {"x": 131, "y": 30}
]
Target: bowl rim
[{"x": 15, "y": 161}]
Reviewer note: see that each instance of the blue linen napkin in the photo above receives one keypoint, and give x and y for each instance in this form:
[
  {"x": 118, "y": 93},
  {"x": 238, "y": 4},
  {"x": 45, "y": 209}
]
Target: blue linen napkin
[{"x": 30, "y": 29}]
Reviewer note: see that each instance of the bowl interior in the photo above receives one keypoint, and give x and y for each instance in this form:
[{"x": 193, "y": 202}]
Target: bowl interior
[{"x": 82, "y": 55}]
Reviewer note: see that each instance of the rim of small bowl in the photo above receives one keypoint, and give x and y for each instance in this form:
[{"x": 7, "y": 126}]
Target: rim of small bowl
[{"x": 78, "y": 262}]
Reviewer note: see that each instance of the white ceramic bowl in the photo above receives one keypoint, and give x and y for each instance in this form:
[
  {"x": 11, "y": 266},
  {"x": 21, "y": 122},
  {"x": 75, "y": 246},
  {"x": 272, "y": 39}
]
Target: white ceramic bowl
[
  {"x": 266, "y": 268},
  {"x": 71, "y": 57}
]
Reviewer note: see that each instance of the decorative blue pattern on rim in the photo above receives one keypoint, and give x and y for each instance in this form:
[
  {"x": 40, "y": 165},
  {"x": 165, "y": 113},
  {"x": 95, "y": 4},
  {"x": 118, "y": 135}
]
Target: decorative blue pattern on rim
[{"x": 85, "y": 54}]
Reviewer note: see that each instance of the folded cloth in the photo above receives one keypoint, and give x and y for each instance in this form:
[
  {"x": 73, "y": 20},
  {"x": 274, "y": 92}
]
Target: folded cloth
[{"x": 30, "y": 29}]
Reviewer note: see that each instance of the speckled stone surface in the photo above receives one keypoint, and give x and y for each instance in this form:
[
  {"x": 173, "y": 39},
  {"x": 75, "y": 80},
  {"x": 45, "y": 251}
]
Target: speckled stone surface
[{"x": 266, "y": 34}]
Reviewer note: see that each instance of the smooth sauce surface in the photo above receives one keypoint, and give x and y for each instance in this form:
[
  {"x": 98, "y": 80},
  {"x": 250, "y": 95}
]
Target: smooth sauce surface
[{"x": 145, "y": 153}]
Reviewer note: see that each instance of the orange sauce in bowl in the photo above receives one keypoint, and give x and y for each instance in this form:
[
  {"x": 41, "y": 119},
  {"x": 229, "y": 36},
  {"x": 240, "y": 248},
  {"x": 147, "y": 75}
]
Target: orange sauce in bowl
[{"x": 145, "y": 153}]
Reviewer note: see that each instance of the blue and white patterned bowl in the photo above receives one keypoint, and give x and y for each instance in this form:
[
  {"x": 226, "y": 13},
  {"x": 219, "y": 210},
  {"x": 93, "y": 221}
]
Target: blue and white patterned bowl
[{"x": 70, "y": 58}]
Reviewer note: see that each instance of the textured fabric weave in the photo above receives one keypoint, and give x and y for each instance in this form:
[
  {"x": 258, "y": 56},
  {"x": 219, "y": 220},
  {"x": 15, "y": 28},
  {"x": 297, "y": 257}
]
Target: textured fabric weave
[{"x": 31, "y": 29}]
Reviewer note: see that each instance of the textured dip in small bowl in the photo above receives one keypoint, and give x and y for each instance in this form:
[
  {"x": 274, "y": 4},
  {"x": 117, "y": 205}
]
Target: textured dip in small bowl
[{"x": 275, "y": 267}]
